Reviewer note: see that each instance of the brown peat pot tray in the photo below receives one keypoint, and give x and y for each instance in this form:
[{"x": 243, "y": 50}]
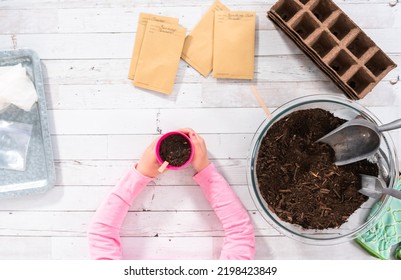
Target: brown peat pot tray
[{"x": 334, "y": 42}]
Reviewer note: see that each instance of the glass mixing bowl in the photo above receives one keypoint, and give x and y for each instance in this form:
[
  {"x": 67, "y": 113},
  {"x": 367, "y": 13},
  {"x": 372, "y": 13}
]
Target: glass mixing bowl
[{"x": 360, "y": 221}]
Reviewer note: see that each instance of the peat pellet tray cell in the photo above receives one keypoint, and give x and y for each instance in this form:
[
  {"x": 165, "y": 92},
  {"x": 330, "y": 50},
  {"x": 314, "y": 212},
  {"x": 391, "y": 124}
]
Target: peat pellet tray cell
[{"x": 334, "y": 42}]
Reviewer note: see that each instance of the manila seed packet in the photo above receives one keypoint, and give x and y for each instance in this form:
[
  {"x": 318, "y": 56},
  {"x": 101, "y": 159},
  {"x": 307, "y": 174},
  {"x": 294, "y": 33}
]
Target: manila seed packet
[
  {"x": 198, "y": 46},
  {"x": 234, "y": 45},
  {"x": 140, "y": 32},
  {"x": 159, "y": 56}
]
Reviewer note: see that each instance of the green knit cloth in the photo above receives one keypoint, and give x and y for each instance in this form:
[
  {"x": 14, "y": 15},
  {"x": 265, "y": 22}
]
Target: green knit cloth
[{"x": 386, "y": 233}]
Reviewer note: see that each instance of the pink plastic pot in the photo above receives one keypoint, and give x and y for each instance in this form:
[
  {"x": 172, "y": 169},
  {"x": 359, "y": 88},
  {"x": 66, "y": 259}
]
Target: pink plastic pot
[{"x": 159, "y": 158}]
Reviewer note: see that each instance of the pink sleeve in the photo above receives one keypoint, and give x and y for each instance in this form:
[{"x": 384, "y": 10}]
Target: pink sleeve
[
  {"x": 104, "y": 229},
  {"x": 239, "y": 241}
]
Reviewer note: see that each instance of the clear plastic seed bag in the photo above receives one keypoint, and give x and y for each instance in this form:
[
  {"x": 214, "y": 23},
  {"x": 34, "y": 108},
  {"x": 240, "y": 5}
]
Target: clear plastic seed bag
[{"x": 14, "y": 143}]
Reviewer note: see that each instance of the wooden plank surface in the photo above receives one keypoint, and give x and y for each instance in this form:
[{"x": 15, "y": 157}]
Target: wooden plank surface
[{"x": 100, "y": 124}]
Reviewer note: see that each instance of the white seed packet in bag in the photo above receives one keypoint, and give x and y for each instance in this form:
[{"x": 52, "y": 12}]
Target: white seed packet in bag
[
  {"x": 16, "y": 88},
  {"x": 14, "y": 143}
]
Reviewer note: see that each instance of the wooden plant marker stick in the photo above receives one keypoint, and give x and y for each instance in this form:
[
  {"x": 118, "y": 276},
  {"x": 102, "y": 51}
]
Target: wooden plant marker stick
[
  {"x": 163, "y": 166},
  {"x": 260, "y": 101}
]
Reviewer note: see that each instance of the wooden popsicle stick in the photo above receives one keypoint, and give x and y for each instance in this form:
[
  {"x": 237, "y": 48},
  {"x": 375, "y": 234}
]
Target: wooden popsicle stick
[
  {"x": 163, "y": 166},
  {"x": 260, "y": 101}
]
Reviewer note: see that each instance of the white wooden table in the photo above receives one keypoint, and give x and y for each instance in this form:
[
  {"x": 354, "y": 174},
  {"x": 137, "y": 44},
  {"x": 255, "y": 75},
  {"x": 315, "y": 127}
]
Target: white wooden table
[{"x": 100, "y": 124}]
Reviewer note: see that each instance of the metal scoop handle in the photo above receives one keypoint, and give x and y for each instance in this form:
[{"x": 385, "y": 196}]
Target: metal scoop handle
[
  {"x": 390, "y": 126},
  {"x": 392, "y": 192}
]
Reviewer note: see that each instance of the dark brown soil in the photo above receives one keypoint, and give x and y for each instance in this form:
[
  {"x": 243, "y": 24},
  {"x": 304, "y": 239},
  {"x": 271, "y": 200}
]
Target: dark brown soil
[
  {"x": 175, "y": 149},
  {"x": 297, "y": 177}
]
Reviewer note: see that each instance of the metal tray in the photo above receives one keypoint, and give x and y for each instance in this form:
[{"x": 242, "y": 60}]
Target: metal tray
[{"x": 39, "y": 175}]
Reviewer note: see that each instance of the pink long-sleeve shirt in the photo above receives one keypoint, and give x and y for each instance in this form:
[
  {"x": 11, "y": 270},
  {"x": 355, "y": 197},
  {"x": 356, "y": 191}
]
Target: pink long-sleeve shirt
[{"x": 104, "y": 230}]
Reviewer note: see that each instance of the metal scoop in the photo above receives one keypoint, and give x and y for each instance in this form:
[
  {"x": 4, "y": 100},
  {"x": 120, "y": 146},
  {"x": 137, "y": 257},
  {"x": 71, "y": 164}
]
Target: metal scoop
[
  {"x": 356, "y": 139},
  {"x": 375, "y": 187}
]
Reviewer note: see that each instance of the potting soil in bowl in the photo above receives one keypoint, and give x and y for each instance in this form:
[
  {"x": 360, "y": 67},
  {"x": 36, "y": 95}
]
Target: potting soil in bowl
[{"x": 297, "y": 176}]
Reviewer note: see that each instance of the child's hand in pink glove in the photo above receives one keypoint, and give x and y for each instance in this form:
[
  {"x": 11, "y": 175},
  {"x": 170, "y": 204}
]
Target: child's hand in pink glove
[
  {"x": 148, "y": 164},
  {"x": 200, "y": 160}
]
